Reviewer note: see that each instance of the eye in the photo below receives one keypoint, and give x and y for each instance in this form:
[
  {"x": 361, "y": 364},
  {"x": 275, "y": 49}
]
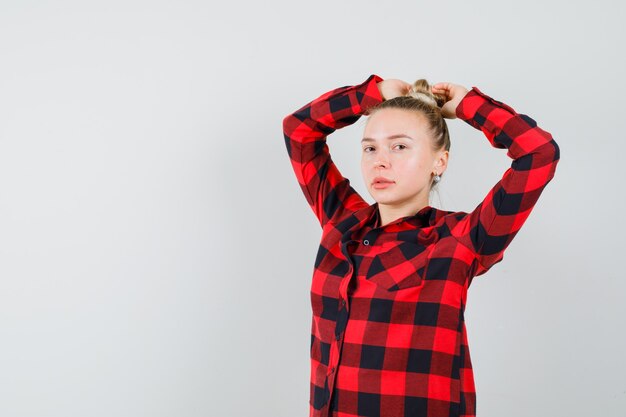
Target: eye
[
  {"x": 367, "y": 147},
  {"x": 403, "y": 146}
]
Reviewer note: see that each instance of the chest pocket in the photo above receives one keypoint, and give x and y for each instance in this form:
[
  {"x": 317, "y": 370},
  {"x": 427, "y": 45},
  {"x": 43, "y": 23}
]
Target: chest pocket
[{"x": 400, "y": 267}]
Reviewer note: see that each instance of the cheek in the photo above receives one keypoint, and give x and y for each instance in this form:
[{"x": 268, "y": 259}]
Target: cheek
[
  {"x": 367, "y": 161},
  {"x": 414, "y": 164}
]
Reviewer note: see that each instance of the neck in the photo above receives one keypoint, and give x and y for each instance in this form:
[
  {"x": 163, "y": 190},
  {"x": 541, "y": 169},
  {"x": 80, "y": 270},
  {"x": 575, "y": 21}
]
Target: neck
[{"x": 392, "y": 212}]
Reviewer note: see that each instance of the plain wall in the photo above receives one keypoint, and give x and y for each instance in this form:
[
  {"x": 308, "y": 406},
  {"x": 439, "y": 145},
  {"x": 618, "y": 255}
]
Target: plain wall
[{"x": 155, "y": 247}]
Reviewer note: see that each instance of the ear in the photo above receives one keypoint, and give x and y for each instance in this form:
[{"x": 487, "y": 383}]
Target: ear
[{"x": 441, "y": 161}]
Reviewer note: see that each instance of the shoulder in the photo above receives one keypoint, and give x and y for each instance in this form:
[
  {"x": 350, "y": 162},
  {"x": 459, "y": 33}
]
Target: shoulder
[{"x": 440, "y": 216}]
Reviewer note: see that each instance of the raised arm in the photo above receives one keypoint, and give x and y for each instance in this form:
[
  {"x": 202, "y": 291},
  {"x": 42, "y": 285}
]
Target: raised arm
[
  {"x": 329, "y": 194},
  {"x": 491, "y": 226}
]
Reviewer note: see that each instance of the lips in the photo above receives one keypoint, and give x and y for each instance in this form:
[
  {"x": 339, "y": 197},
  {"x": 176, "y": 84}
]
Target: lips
[
  {"x": 381, "y": 180},
  {"x": 380, "y": 183}
]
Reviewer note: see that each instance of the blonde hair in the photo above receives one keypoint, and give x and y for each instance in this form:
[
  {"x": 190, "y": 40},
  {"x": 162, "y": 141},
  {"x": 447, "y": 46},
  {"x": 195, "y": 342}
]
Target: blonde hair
[{"x": 420, "y": 99}]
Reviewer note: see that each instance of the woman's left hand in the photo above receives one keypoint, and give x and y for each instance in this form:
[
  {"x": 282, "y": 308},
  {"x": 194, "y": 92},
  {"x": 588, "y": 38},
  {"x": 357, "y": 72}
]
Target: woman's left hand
[{"x": 454, "y": 93}]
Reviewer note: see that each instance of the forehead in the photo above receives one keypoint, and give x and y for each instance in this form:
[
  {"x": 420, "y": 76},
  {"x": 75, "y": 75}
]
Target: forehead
[{"x": 391, "y": 121}]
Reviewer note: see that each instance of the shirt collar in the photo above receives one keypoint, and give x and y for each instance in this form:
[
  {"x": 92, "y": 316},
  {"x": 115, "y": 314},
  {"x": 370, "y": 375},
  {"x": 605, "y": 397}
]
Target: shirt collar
[{"x": 426, "y": 216}]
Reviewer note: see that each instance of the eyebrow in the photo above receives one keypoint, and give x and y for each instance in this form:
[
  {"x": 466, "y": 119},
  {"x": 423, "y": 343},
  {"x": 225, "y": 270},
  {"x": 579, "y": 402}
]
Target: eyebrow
[{"x": 396, "y": 136}]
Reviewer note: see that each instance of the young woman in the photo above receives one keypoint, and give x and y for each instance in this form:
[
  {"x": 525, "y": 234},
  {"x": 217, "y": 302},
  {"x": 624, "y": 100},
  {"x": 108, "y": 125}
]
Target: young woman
[{"x": 390, "y": 282}]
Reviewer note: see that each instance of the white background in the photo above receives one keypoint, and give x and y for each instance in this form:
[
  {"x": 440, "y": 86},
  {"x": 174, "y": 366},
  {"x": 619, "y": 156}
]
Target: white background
[{"x": 156, "y": 249}]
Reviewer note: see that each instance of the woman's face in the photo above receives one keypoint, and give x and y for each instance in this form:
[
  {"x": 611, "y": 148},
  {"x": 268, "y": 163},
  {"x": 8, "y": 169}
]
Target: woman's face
[{"x": 396, "y": 145}]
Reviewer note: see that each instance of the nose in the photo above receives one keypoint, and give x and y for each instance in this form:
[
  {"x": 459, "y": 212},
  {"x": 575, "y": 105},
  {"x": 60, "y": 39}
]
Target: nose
[{"x": 381, "y": 163}]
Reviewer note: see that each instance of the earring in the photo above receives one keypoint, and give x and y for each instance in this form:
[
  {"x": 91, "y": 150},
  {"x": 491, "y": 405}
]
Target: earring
[{"x": 437, "y": 177}]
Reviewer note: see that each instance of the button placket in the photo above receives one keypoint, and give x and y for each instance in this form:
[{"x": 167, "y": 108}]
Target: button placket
[{"x": 370, "y": 236}]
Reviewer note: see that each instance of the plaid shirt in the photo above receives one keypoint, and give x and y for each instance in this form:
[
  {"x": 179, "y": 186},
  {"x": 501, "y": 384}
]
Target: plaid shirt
[{"x": 388, "y": 335}]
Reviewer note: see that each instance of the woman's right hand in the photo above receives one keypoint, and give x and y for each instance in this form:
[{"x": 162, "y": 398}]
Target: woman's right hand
[{"x": 393, "y": 88}]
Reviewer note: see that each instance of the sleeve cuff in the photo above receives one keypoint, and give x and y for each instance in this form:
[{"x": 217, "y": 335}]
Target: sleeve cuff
[
  {"x": 473, "y": 101},
  {"x": 368, "y": 94}
]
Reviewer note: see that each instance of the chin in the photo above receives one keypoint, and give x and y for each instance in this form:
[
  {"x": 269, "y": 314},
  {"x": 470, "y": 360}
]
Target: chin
[
  {"x": 393, "y": 199},
  {"x": 385, "y": 199}
]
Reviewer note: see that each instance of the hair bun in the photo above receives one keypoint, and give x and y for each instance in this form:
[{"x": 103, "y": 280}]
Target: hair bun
[{"x": 421, "y": 90}]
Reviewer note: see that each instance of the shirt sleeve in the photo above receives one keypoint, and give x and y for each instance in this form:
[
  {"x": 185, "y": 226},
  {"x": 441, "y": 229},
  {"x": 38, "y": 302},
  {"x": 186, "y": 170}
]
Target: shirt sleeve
[
  {"x": 491, "y": 226},
  {"x": 329, "y": 194}
]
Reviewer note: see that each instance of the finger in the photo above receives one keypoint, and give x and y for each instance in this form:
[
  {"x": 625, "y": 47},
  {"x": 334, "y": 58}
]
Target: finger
[{"x": 441, "y": 86}]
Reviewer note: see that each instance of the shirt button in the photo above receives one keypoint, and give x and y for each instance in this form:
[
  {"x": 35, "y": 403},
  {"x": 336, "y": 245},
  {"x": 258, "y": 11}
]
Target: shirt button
[
  {"x": 337, "y": 337},
  {"x": 332, "y": 369},
  {"x": 366, "y": 242}
]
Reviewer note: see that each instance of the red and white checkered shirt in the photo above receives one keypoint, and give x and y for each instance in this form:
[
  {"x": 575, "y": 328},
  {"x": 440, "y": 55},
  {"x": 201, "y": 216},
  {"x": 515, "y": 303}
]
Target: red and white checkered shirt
[{"x": 388, "y": 335}]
